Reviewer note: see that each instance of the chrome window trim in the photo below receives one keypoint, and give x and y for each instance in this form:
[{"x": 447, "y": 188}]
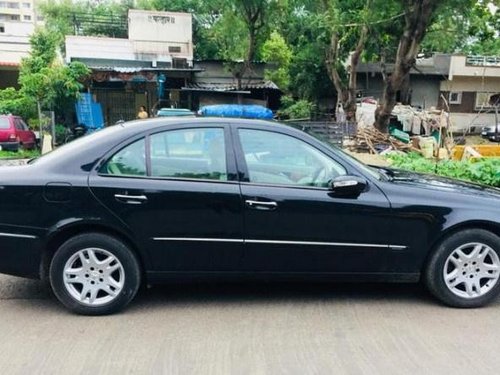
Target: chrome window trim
[
  {"x": 280, "y": 242},
  {"x": 15, "y": 235},
  {"x": 199, "y": 239}
]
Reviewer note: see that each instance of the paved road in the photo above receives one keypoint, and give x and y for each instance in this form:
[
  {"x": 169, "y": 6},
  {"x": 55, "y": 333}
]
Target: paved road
[
  {"x": 245, "y": 329},
  {"x": 12, "y": 162}
]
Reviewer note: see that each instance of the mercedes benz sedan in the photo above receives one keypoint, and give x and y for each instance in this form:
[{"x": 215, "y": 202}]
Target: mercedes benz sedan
[{"x": 184, "y": 198}]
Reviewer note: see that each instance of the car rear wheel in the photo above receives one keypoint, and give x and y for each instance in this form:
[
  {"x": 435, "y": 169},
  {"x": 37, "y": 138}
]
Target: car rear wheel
[
  {"x": 94, "y": 274},
  {"x": 464, "y": 271}
]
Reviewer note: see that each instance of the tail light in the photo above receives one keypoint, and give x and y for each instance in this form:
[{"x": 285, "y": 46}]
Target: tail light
[{"x": 13, "y": 138}]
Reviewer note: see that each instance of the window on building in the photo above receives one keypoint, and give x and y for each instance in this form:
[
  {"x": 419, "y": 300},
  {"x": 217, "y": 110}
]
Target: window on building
[
  {"x": 27, "y": 18},
  {"x": 39, "y": 18},
  {"x": 174, "y": 49},
  {"x": 15, "y": 17},
  {"x": 2, "y": 28},
  {"x": 455, "y": 97},
  {"x": 483, "y": 100},
  {"x": 26, "y": 5},
  {"x": 13, "y": 5}
]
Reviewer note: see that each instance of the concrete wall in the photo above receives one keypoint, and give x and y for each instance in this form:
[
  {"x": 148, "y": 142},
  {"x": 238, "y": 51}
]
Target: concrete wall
[
  {"x": 216, "y": 72},
  {"x": 476, "y": 83},
  {"x": 459, "y": 67},
  {"x": 425, "y": 89},
  {"x": 14, "y": 42},
  {"x": 463, "y": 121},
  {"x": 98, "y": 47},
  {"x": 153, "y": 37},
  {"x": 154, "y": 31}
]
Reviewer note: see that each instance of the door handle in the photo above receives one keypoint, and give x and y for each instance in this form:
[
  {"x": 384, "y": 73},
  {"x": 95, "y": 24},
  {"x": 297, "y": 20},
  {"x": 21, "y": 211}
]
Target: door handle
[
  {"x": 258, "y": 205},
  {"x": 131, "y": 199}
]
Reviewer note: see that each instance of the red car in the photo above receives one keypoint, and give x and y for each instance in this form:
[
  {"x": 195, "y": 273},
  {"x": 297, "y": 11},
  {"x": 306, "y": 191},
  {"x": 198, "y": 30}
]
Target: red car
[{"x": 15, "y": 134}]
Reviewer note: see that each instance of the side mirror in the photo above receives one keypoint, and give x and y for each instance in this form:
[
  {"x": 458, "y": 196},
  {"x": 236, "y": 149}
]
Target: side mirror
[{"x": 348, "y": 186}]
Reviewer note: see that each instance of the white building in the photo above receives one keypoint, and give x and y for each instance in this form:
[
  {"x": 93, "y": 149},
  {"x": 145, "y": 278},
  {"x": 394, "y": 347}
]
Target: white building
[
  {"x": 18, "y": 11},
  {"x": 149, "y": 68},
  {"x": 156, "y": 40},
  {"x": 14, "y": 46}
]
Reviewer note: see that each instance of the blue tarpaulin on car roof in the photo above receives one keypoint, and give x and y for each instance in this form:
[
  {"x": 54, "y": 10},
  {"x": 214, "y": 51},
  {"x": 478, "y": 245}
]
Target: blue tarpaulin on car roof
[{"x": 237, "y": 110}]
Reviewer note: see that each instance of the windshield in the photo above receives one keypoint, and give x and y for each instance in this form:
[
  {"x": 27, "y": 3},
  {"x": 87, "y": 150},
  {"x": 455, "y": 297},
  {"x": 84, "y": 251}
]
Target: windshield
[{"x": 371, "y": 171}]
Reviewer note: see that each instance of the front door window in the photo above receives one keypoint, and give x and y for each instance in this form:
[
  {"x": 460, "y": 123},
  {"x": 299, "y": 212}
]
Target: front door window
[{"x": 279, "y": 159}]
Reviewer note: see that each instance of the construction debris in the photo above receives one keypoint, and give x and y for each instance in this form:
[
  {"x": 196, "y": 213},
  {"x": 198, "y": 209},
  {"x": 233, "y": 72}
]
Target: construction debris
[{"x": 369, "y": 139}]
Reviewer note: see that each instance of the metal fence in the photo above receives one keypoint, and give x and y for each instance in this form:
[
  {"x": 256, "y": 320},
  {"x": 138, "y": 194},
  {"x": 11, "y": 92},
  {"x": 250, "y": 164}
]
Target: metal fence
[{"x": 333, "y": 132}]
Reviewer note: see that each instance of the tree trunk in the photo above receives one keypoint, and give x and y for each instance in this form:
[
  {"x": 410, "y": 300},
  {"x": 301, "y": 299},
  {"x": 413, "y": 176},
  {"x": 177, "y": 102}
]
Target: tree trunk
[
  {"x": 346, "y": 96},
  {"x": 418, "y": 14},
  {"x": 331, "y": 59},
  {"x": 351, "y": 104}
]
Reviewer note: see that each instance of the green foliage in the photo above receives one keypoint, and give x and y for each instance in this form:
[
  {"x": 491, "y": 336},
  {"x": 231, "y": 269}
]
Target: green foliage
[
  {"x": 21, "y": 154},
  {"x": 14, "y": 102},
  {"x": 46, "y": 81},
  {"x": 295, "y": 109},
  {"x": 276, "y": 51},
  {"x": 485, "y": 171},
  {"x": 62, "y": 133},
  {"x": 466, "y": 26}
]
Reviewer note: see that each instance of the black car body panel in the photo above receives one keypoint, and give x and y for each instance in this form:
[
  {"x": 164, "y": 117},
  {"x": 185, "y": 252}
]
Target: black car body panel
[{"x": 206, "y": 228}]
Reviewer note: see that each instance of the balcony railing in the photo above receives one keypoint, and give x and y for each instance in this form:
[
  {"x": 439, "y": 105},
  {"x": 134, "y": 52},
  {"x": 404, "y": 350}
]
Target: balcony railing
[{"x": 483, "y": 61}]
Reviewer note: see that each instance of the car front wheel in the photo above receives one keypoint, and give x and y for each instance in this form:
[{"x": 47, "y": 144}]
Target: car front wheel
[
  {"x": 94, "y": 274},
  {"x": 464, "y": 271}
]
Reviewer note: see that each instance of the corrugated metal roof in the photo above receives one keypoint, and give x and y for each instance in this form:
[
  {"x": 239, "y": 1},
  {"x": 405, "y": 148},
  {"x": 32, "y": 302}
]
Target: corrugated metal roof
[{"x": 227, "y": 87}]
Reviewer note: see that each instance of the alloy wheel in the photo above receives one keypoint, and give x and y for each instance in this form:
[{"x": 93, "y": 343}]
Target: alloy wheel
[
  {"x": 471, "y": 270},
  {"x": 93, "y": 276}
]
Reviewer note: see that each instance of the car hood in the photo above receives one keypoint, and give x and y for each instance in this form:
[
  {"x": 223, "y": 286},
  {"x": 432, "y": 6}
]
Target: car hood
[{"x": 435, "y": 182}]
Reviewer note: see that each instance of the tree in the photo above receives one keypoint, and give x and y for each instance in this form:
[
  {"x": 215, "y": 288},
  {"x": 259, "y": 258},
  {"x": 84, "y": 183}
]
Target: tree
[
  {"x": 46, "y": 81},
  {"x": 276, "y": 52},
  {"x": 473, "y": 29},
  {"x": 246, "y": 24},
  {"x": 418, "y": 16},
  {"x": 13, "y": 101}
]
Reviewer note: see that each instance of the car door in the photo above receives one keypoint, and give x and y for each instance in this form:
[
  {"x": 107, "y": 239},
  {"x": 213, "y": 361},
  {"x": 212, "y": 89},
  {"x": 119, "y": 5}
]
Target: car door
[
  {"x": 176, "y": 191},
  {"x": 25, "y": 135},
  {"x": 293, "y": 223}
]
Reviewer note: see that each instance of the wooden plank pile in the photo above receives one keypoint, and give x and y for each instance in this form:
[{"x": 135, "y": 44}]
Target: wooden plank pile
[{"x": 369, "y": 139}]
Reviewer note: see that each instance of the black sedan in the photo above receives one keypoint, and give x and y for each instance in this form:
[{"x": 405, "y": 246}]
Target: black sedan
[{"x": 180, "y": 198}]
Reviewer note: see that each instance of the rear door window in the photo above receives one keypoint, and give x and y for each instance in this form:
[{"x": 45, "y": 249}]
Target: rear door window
[
  {"x": 189, "y": 153},
  {"x": 129, "y": 161},
  {"x": 18, "y": 124}
]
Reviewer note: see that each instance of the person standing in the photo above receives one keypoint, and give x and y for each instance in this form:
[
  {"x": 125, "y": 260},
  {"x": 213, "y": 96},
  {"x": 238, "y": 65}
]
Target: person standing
[{"x": 142, "y": 113}]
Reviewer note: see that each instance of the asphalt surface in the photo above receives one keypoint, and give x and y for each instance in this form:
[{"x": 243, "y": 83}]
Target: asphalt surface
[{"x": 249, "y": 329}]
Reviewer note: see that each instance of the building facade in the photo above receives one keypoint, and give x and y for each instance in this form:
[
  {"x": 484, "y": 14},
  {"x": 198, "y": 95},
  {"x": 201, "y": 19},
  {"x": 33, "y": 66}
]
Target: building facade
[
  {"x": 18, "y": 19},
  {"x": 18, "y": 11},
  {"x": 149, "y": 68},
  {"x": 471, "y": 83}
]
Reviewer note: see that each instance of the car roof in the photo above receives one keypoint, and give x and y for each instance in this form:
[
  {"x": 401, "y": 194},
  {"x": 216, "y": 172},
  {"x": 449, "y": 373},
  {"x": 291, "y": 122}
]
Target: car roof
[
  {"x": 158, "y": 122},
  {"x": 84, "y": 151}
]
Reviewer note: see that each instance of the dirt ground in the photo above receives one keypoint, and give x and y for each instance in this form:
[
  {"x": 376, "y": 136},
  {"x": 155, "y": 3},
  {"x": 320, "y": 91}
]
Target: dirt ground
[{"x": 369, "y": 159}]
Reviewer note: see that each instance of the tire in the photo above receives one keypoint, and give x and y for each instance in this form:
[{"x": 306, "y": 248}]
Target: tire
[
  {"x": 94, "y": 274},
  {"x": 464, "y": 270}
]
